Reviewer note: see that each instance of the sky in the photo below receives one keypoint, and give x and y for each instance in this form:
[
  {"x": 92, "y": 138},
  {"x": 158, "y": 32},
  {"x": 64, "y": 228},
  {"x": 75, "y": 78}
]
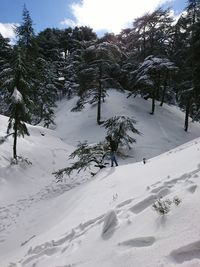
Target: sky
[{"x": 101, "y": 15}]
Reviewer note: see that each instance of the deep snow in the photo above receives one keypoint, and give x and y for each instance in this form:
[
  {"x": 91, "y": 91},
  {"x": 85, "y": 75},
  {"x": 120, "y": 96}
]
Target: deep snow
[
  {"x": 49, "y": 224},
  {"x": 160, "y": 132}
]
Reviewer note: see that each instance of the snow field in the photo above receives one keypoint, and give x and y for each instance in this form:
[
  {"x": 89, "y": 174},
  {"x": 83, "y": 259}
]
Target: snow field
[{"x": 107, "y": 220}]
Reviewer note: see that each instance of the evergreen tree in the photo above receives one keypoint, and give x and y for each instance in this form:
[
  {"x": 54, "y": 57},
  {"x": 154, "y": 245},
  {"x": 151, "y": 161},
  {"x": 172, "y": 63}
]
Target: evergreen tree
[
  {"x": 87, "y": 156},
  {"x": 43, "y": 57},
  {"x": 150, "y": 35},
  {"x": 66, "y": 42},
  {"x": 5, "y": 58},
  {"x": 151, "y": 74},
  {"x": 15, "y": 74},
  {"x": 196, "y": 61},
  {"x": 185, "y": 57},
  {"x": 48, "y": 43},
  {"x": 45, "y": 81},
  {"x": 5, "y": 48},
  {"x": 25, "y": 32},
  {"x": 26, "y": 37},
  {"x": 118, "y": 128},
  {"x": 81, "y": 35},
  {"x": 18, "y": 117},
  {"x": 98, "y": 72}
]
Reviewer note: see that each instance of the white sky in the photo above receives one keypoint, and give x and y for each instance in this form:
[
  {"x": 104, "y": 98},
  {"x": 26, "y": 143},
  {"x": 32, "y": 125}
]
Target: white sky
[
  {"x": 101, "y": 15},
  {"x": 7, "y": 30},
  {"x": 111, "y": 15}
]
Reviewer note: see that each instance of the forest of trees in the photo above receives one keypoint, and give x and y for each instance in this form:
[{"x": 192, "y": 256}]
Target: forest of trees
[{"x": 157, "y": 58}]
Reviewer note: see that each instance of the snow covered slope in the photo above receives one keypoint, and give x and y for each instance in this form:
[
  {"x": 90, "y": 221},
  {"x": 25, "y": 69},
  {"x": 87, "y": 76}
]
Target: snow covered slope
[
  {"x": 25, "y": 185},
  {"x": 160, "y": 132},
  {"x": 137, "y": 235},
  {"x": 107, "y": 221}
]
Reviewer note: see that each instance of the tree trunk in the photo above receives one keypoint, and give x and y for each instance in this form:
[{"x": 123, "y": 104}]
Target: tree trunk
[
  {"x": 15, "y": 144},
  {"x": 144, "y": 43},
  {"x": 164, "y": 91},
  {"x": 15, "y": 128},
  {"x": 187, "y": 111},
  {"x": 163, "y": 96},
  {"x": 153, "y": 103},
  {"x": 99, "y": 96},
  {"x": 99, "y": 109}
]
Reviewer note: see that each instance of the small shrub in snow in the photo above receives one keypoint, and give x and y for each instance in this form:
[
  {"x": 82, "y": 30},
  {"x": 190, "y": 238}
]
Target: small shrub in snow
[
  {"x": 176, "y": 200},
  {"x": 110, "y": 221},
  {"x": 164, "y": 206},
  {"x": 115, "y": 197}
]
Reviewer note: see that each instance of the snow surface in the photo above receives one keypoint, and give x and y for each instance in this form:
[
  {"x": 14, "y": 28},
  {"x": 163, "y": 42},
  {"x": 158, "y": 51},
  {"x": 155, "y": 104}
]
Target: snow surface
[{"x": 49, "y": 224}]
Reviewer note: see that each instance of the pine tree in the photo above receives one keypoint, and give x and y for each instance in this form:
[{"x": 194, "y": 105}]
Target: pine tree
[
  {"x": 18, "y": 117},
  {"x": 118, "y": 128},
  {"x": 150, "y": 34},
  {"x": 45, "y": 81},
  {"x": 5, "y": 48},
  {"x": 5, "y": 58},
  {"x": 69, "y": 75},
  {"x": 48, "y": 43},
  {"x": 185, "y": 57},
  {"x": 42, "y": 57},
  {"x": 189, "y": 92},
  {"x": 151, "y": 74},
  {"x": 15, "y": 74},
  {"x": 25, "y": 32},
  {"x": 66, "y": 42},
  {"x": 101, "y": 62},
  {"x": 87, "y": 156},
  {"x": 196, "y": 60}
]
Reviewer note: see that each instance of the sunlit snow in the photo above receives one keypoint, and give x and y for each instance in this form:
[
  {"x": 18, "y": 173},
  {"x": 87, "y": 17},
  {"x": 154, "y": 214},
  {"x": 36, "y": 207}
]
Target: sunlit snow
[{"x": 106, "y": 220}]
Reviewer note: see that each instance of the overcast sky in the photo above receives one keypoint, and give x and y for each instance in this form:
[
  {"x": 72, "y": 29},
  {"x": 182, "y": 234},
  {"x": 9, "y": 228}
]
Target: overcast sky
[{"x": 101, "y": 15}]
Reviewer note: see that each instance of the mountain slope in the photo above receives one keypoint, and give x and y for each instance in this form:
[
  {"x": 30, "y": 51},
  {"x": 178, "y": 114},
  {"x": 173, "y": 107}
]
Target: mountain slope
[{"x": 49, "y": 224}]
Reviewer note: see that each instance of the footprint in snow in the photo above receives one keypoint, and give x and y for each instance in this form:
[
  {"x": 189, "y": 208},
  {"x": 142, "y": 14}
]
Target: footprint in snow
[
  {"x": 124, "y": 203},
  {"x": 161, "y": 190},
  {"x": 186, "y": 253},
  {"x": 158, "y": 192},
  {"x": 192, "y": 188},
  {"x": 139, "y": 242},
  {"x": 143, "y": 204}
]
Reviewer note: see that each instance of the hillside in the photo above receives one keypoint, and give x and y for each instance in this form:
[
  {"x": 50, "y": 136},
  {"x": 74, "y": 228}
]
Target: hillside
[
  {"x": 49, "y": 224},
  {"x": 160, "y": 132}
]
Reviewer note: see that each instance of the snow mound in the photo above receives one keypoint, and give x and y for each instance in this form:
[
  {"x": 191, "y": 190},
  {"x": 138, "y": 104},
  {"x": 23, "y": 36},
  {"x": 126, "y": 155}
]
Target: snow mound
[{"x": 110, "y": 222}]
